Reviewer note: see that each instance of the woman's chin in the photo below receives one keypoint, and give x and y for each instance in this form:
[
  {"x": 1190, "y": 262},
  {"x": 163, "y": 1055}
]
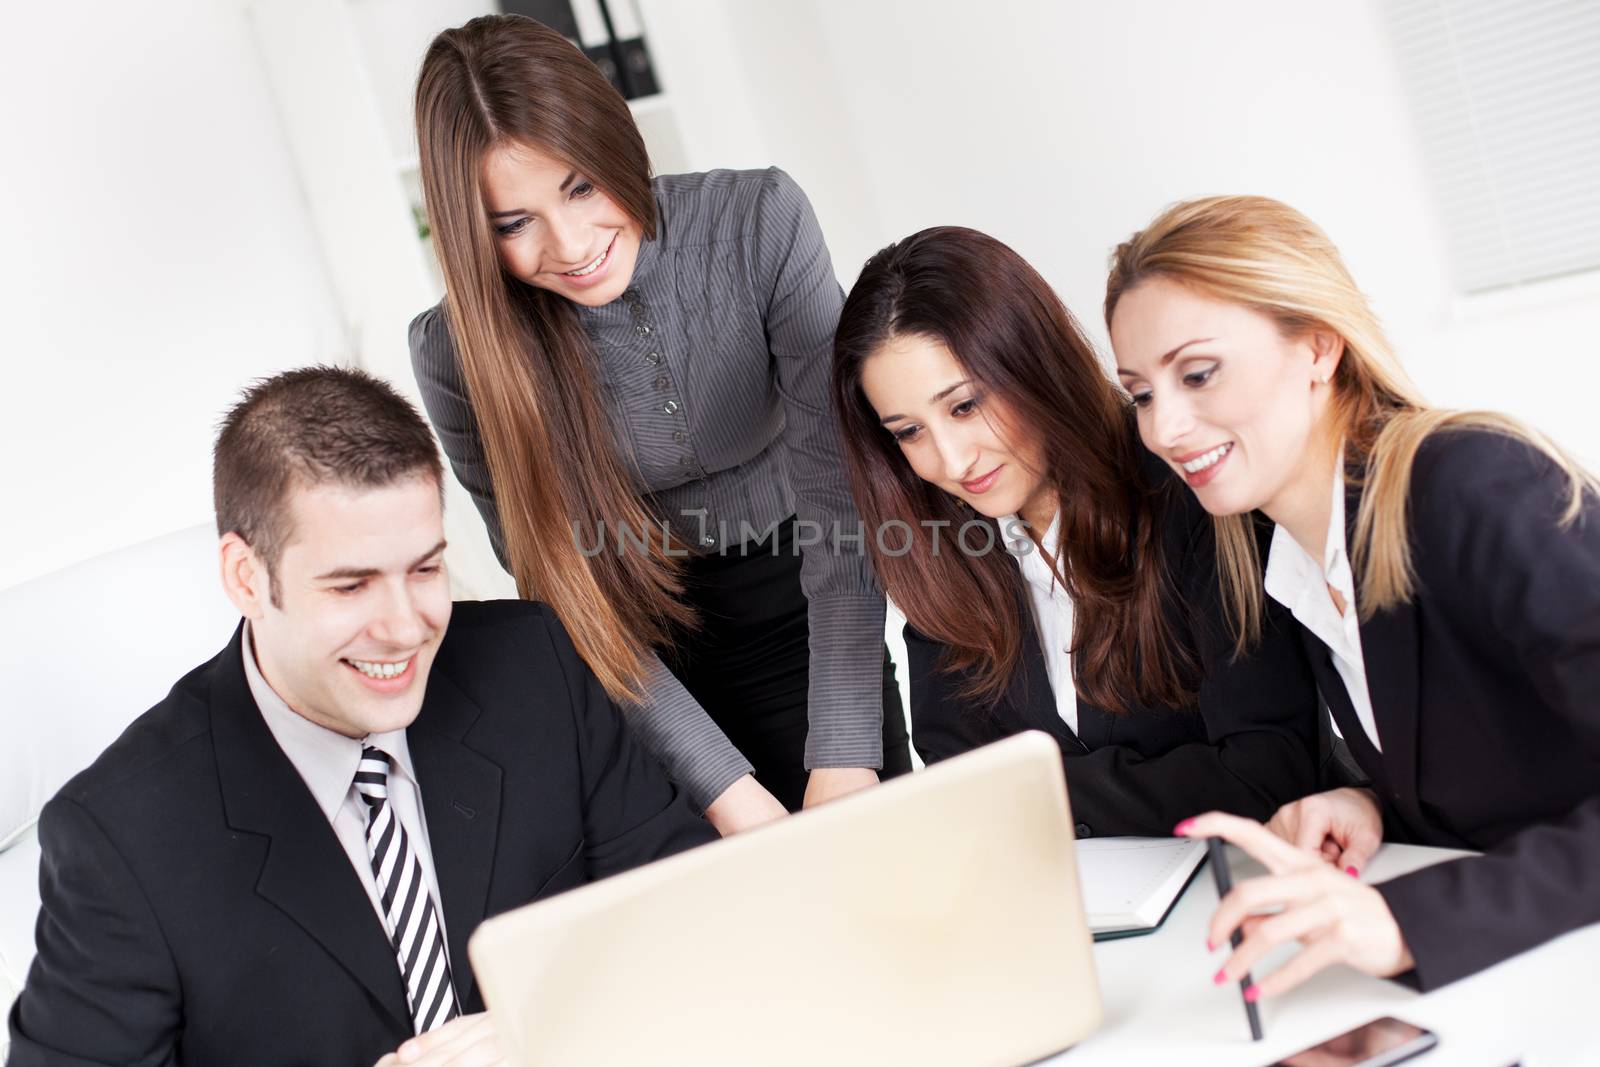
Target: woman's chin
[
  {"x": 992, "y": 507},
  {"x": 1220, "y": 500}
]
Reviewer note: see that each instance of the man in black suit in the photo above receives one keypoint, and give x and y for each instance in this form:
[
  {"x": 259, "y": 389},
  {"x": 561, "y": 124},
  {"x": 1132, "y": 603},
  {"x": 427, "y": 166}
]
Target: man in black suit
[{"x": 281, "y": 862}]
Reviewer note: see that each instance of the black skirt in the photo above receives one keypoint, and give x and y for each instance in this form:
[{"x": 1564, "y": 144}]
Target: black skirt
[{"x": 748, "y": 662}]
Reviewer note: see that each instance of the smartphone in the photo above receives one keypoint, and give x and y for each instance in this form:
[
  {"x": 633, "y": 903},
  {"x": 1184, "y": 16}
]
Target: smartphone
[{"x": 1375, "y": 1044}]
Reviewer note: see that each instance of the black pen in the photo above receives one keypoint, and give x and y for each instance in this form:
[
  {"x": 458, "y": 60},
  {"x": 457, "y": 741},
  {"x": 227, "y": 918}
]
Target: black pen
[{"x": 1217, "y": 852}]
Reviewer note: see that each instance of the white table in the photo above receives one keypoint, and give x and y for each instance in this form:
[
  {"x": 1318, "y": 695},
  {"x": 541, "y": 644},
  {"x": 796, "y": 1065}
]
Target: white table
[{"x": 1541, "y": 1009}]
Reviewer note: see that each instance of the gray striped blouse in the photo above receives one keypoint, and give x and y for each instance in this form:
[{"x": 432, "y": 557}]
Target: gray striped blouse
[{"x": 716, "y": 366}]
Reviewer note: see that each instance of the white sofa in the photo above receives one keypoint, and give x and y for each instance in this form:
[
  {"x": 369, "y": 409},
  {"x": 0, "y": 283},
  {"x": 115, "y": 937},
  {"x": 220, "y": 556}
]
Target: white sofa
[{"x": 83, "y": 652}]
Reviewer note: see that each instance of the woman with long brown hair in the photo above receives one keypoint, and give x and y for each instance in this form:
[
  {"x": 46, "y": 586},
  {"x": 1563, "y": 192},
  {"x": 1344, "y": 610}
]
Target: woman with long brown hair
[
  {"x": 1443, "y": 568},
  {"x": 1052, "y": 576},
  {"x": 630, "y": 377}
]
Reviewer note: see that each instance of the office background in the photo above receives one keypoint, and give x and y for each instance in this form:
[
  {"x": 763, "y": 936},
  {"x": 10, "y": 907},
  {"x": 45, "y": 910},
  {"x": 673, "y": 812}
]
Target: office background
[{"x": 200, "y": 192}]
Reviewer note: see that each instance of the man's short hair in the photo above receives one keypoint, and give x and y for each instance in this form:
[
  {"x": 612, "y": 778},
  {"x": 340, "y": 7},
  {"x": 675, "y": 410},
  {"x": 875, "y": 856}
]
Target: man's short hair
[{"x": 309, "y": 427}]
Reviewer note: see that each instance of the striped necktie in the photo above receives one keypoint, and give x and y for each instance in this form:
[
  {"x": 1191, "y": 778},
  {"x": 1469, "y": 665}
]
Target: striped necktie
[{"x": 407, "y": 905}]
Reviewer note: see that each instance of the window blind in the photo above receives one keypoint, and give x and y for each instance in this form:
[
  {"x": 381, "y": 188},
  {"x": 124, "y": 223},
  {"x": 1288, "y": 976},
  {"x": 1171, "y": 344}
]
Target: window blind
[{"x": 1506, "y": 101}]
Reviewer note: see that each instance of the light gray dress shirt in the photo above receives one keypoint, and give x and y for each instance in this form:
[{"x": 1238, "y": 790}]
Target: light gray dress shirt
[
  {"x": 327, "y": 763},
  {"x": 716, "y": 364}
]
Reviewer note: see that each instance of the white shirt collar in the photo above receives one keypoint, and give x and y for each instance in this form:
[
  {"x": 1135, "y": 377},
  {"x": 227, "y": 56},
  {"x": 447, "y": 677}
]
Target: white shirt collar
[
  {"x": 1036, "y": 569},
  {"x": 1292, "y": 576},
  {"x": 326, "y": 760},
  {"x": 1014, "y": 531}
]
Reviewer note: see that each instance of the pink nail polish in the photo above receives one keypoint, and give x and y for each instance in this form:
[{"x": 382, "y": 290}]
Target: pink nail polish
[
  {"x": 1211, "y": 946},
  {"x": 1352, "y": 872},
  {"x": 1252, "y": 994},
  {"x": 1182, "y": 828},
  {"x": 1218, "y": 978}
]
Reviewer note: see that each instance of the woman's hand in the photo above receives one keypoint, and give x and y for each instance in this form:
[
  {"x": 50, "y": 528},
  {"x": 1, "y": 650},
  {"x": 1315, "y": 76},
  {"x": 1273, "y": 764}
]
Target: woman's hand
[
  {"x": 1335, "y": 917},
  {"x": 465, "y": 1041},
  {"x": 743, "y": 805},
  {"x": 831, "y": 783},
  {"x": 1344, "y": 826}
]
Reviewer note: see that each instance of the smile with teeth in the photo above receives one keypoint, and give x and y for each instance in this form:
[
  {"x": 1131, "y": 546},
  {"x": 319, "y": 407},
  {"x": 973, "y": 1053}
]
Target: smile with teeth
[
  {"x": 373, "y": 669},
  {"x": 592, "y": 267},
  {"x": 1208, "y": 459}
]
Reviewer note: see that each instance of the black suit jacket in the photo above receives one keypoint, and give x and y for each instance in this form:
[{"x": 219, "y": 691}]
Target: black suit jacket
[
  {"x": 199, "y": 909},
  {"x": 1246, "y": 746},
  {"x": 1486, "y": 694}
]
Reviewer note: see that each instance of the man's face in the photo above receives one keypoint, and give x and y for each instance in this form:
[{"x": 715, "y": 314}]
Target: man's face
[{"x": 363, "y": 604}]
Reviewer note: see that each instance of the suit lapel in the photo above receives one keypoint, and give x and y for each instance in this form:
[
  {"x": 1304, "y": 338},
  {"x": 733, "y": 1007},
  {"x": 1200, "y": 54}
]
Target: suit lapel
[
  {"x": 1030, "y": 691},
  {"x": 1096, "y": 726},
  {"x": 461, "y": 799},
  {"x": 1389, "y": 649},
  {"x": 307, "y": 873},
  {"x": 1390, "y": 654},
  {"x": 1332, "y": 689}
]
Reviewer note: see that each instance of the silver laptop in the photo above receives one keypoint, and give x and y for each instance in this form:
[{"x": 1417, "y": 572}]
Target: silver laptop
[{"x": 933, "y": 920}]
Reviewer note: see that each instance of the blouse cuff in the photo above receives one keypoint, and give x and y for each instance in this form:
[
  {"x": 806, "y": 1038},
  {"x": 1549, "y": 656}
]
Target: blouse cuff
[
  {"x": 690, "y": 747},
  {"x": 846, "y": 692}
]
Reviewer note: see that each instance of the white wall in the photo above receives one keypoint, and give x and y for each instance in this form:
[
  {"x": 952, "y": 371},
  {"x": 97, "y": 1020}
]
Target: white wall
[
  {"x": 167, "y": 253},
  {"x": 342, "y": 74},
  {"x": 158, "y": 254},
  {"x": 1062, "y": 127}
]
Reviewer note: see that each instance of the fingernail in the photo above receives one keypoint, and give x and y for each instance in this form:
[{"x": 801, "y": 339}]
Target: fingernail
[
  {"x": 1219, "y": 977},
  {"x": 1252, "y": 994},
  {"x": 1352, "y": 872},
  {"x": 1183, "y": 827},
  {"x": 1211, "y": 946}
]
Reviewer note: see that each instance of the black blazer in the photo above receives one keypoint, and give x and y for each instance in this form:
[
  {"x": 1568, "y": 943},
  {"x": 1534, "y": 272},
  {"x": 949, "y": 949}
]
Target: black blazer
[
  {"x": 1247, "y": 745},
  {"x": 1486, "y": 693},
  {"x": 199, "y": 909}
]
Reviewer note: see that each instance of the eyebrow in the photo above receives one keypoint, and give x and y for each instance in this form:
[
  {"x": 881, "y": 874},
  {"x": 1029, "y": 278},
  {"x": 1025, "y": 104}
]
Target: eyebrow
[
  {"x": 352, "y": 573},
  {"x": 933, "y": 400},
  {"x": 1168, "y": 358},
  {"x": 571, "y": 174}
]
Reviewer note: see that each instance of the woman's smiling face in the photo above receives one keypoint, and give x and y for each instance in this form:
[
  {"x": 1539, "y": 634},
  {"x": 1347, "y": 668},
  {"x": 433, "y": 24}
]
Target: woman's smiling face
[
  {"x": 1223, "y": 396},
  {"x": 950, "y": 430},
  {"x": 554, "y": 228}
]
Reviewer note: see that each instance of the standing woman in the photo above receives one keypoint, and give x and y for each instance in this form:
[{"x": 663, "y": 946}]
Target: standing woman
[
  {"x": 630, "y": 377},
  {"x": 1054, "y": 576},
  {"x": 1444, "y": 568}
]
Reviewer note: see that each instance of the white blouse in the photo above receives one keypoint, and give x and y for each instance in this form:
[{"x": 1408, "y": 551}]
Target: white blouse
[
  {"x": 1052, "y": 609},
  {"x": 1296, "y": 581}
]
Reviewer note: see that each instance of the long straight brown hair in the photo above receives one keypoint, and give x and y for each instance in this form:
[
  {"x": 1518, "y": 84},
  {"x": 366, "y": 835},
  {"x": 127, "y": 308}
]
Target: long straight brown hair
[
  {"x": 529, "y": 368},
  {"x": 1012, "y": 335}
]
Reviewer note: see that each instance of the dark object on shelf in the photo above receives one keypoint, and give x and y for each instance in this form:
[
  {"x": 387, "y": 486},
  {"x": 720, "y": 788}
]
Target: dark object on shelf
[
  {"x": 557, "y": 14},
  {"x": 624, "y": 61}
]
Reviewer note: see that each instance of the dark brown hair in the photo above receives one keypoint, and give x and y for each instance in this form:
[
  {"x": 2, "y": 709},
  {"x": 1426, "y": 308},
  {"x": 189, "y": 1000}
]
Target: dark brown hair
[
  {"x": 1011, "y": 334},
  {"x": 305, "y": 428},
  {"x": 528, "y": 366}
]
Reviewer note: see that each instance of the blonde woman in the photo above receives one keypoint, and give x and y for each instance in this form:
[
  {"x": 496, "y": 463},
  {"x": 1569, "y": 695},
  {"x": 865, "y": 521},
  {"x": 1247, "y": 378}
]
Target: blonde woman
[
  {"x": 1444, "y": 568},
  {"x": 631, "y": 378}
]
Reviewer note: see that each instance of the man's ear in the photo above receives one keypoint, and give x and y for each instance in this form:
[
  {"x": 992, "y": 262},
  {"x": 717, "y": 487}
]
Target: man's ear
[
  {"x": 244, "y": 576},
  {"x": 1327, "y": 349}
]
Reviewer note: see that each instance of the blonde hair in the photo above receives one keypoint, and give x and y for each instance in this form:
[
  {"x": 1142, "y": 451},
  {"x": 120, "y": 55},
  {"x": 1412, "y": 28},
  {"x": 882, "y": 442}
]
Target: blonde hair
[{"x": 1265, "y": 255}]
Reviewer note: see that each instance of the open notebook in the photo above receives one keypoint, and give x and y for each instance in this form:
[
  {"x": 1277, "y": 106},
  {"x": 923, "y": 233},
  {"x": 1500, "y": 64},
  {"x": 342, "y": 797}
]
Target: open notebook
[{"x": 1130, "y": 883}]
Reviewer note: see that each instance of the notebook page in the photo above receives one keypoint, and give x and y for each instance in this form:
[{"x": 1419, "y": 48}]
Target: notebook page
[{"x": 1130, "y": 881}]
